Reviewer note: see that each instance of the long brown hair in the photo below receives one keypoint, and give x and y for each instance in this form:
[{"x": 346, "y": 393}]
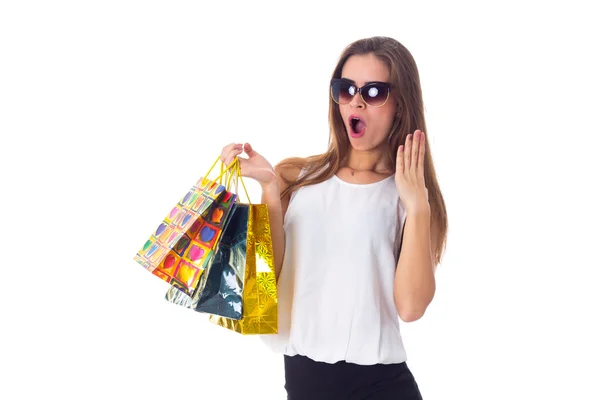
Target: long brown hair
[{"x": 407, "y": 91}]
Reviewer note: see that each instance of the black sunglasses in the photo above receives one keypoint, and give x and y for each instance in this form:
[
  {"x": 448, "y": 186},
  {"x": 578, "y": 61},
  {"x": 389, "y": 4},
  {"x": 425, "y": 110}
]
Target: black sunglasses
[{"x": 375, "y": 94}]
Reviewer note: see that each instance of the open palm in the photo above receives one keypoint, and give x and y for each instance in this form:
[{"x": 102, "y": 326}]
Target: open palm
[{"x": 410, "y": 177}]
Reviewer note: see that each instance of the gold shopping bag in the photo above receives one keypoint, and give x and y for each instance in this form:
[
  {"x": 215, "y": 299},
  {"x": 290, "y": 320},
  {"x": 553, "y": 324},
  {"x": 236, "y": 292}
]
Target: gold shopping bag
[{"x": 259, "y": 296}]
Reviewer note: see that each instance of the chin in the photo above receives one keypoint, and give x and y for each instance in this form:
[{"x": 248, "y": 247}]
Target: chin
[{"x": 361, "y": 145}]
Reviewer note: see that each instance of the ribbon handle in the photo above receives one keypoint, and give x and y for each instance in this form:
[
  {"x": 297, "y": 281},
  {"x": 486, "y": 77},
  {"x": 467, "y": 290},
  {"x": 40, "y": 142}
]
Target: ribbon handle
[
  {"x": 235, "y": 169},
  {"x": 223, "y": 172}
]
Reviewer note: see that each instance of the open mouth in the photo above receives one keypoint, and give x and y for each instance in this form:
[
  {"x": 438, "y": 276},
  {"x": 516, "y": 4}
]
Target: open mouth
[{"x": 357, "y": 126}]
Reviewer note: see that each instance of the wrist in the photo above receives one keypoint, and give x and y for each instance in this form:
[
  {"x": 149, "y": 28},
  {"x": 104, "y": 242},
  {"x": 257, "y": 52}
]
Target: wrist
[
  {"x": 419, "y": 210},
  {"x": 271, "y": 188}
]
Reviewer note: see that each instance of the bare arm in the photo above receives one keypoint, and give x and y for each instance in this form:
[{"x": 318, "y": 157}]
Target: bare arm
[
  {"x": 273, "y": 184},
  {"x": 414, "y": 282},
  {"x": 271, "y": 196}
]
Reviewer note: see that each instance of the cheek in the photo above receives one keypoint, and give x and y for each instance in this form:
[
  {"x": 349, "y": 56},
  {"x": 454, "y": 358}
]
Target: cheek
[
  {"x": 385, "y": 120},
  {"x": 344, "y": 112},
  {"x": 344, "y": 115}
]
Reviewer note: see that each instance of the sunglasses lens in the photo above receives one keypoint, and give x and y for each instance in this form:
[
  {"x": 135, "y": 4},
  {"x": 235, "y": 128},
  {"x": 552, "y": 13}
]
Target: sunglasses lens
[
  {"x": 375, "y": 94},
  {"x": 342, "y": 91}
]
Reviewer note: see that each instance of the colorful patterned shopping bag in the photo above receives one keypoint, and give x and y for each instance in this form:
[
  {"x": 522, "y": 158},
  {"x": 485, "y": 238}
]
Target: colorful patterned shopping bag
[
  {"x": 184, "y": 241},
  {"x": 239, "y": 287}
]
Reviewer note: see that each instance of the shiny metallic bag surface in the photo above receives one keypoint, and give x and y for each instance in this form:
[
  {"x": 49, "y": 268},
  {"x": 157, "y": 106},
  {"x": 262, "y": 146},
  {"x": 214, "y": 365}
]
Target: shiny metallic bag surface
[
  {"x": 238, "y": 288},
  {"x": 221, "y": 285},
  {"x": 259, "y": 300}
]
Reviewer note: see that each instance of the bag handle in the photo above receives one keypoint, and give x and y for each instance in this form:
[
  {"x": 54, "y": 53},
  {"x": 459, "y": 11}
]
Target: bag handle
[
  {"x": 236, "y": 170},
  {"x": 239, "y": 177},
  {"x": 223, "y": 171}
]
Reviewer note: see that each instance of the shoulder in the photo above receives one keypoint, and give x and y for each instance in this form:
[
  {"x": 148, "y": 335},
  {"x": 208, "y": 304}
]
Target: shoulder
[{"x": 288, "y": 170}]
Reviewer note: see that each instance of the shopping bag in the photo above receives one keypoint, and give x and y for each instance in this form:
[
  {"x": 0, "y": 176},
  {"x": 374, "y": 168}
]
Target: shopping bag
[
  {"x": 259, "y": 298},
  {"x": 183, "y": 243},
  {"x": 241, "y": 271},
  {"x": 221, "y": 285}
]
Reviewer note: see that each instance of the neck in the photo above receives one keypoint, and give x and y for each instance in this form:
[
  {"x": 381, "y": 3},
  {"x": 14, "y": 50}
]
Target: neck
[{"x": 374, "y": 161}]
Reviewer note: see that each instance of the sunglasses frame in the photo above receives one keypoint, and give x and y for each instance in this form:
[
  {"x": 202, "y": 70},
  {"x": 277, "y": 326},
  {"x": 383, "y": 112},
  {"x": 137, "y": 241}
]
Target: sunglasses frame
[{"x": 359, "y": 90}]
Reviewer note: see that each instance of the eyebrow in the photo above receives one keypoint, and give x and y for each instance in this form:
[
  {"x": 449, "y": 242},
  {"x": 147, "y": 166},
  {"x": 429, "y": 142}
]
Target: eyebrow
[{"x": 366, "y": 83}]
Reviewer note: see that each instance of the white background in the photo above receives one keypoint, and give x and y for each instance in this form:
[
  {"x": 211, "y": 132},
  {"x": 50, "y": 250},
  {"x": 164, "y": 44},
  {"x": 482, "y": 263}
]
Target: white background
[{"x": 110, "y": 110}]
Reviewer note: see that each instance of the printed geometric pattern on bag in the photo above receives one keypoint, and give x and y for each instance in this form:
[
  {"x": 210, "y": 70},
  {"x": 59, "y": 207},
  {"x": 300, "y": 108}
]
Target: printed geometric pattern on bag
[{"x": 181, "y": 245}]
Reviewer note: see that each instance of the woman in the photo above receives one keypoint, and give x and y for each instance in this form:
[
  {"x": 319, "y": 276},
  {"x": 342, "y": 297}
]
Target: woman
[{"x": 357, "y": 232}]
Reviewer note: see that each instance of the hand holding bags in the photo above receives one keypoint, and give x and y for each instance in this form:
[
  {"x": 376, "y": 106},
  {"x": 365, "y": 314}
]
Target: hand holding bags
[
  {"x": 179, "y": 249},
  {"x": 239, "y": 287}
]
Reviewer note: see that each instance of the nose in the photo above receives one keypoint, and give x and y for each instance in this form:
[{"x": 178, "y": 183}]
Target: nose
[{"x": 357, "y": 101}]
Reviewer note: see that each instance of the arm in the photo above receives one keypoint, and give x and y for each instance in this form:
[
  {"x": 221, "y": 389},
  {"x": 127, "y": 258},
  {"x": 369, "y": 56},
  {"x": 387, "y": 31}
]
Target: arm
[
  {"x": 271, "y": 196},
  {"x": 257, "y": 167},
  {"x": 414, "y": 281}
]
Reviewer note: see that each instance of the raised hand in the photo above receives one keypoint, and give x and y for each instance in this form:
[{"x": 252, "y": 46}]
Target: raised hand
[
  {"x": 255, "y": 166},
  {"x": 410, "y": 177}
]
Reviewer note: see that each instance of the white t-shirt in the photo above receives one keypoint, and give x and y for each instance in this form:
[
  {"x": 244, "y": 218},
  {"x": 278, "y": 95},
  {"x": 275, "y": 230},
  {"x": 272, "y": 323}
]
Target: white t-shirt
[{"x": 336, "y": 287}]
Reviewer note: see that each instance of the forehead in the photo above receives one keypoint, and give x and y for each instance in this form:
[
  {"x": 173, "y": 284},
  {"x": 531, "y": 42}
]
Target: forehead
[{"x": 365, "y": 68}]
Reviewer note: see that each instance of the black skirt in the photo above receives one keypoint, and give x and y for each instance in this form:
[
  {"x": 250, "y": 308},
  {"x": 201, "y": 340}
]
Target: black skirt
[{"x": 306, "y": 379}]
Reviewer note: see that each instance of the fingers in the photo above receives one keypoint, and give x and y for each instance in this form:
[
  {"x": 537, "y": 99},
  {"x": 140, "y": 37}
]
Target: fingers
[
  {"x": 226, "y": 150},
  {"x": 414, "y": 156},
  {"x": 400, "y": 159},
  {"x": 407, "y": 152},
  {"x": 421, "y": 163},
  {"x": 249, "y": 150},
  {"x": 231, "y": 151}
]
